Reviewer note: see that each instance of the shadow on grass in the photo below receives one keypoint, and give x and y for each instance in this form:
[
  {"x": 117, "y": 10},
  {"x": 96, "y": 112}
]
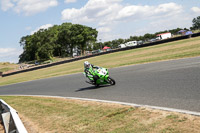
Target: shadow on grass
[{"x": 92, "y": 88}]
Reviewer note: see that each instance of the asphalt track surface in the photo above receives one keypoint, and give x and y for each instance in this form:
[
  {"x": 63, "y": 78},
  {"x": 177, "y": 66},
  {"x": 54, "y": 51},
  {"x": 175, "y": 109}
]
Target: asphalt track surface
[{"x": 172, "y": 84}]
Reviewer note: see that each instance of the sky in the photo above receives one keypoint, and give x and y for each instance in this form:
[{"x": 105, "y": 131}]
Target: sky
[{"x": 113, "y": 19}]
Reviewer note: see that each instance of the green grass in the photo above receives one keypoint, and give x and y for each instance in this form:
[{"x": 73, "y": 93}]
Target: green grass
[
  {"x": 6, "y": 66},
  {"x": 64, "y": 115},
  {"x": 173, "y": 50},
  {"x": 5, "y": 69}
]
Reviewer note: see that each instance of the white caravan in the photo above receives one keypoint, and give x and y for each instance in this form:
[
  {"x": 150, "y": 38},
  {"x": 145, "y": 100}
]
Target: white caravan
[
  {"x": 122, "y": 46},
  {"x": 131, "y": 43},
  {"x": 164, "y": 36},
  {"x": 128, "y": 44}
]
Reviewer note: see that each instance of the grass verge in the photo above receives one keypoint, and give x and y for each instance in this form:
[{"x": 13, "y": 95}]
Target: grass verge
[
  {"x": 173, "y": 50},
  {"x": 6, "y": 66},
  {"x": 58, "y": 115}
]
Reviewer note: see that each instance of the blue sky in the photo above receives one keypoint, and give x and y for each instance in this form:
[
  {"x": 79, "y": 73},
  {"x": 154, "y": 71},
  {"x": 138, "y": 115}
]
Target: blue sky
[{"x": 112, "y": 18}]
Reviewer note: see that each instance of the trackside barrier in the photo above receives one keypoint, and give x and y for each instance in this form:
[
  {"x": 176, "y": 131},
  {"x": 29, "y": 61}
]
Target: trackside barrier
[
  {"x": 102, "y": 53},
  {"x": 10, "y": 119}
]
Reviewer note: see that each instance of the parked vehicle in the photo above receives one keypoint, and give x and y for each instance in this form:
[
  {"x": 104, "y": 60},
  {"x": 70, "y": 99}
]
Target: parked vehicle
[
  {"x": 122, "y": 46},
  {"x": 88, "y": 52},
  {"x": 96, "y": 51},
  {"x": 140, "y": 42},
  {"x": 164, "y": 36},
  {"x": 131, "y": 43},
  {"x": 153, "y": 40},
  {"x": 128, "y": 44}
]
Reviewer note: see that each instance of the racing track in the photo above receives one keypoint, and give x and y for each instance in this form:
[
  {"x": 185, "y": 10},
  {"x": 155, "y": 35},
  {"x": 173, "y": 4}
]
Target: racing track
[{"x": 171, "y": 84}]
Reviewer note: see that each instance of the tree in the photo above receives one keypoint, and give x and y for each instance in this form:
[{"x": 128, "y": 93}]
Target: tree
[
  {"x": 53, "y": 39},
  {"x": 175, "y": 31},
  {"x": 86, "y": 37},
  {"x": 64, "y": 41},
  {"x": 115, "y": 43},
  {"x": 148, "y": 36},
  {"x": 59, "y": 40},
  {"x": 97, "y": 45},
  {"x": 196, "y": 23},
  {"x": 108, "y": 44},
  {"x": 28, "y": 47}
]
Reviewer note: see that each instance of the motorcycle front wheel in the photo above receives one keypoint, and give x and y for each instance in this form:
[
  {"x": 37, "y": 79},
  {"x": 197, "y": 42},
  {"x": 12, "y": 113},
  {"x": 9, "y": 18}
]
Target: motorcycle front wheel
[{"x": 111, "y": 81}]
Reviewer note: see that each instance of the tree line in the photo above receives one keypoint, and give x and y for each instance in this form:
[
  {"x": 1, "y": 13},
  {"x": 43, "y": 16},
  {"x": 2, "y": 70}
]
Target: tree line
[{"x": 59, "y": 40}]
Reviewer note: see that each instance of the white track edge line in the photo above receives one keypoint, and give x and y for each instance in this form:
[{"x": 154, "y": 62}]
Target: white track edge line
[{"x": 122, "y": 103}]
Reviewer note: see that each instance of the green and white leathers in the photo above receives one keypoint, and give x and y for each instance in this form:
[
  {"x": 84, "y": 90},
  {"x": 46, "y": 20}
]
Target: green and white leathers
[{"x": 101, "y": 74}]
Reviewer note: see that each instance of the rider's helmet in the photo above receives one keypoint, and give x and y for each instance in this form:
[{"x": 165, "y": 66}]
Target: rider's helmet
[{"x": 87, "y": 64}]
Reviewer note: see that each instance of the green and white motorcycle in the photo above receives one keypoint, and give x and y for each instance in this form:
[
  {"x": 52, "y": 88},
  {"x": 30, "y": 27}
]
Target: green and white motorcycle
[{"x": 103, "y": 77}]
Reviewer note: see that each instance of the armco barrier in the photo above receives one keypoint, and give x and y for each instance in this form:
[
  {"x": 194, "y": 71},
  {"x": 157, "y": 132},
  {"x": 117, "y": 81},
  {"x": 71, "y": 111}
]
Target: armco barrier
[
  {"x": 10, "y": 118},
  {"x": 102, "y": 53}
]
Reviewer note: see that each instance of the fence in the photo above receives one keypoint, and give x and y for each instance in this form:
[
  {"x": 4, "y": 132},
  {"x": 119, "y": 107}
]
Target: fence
[{"x": 10, "y": 119}]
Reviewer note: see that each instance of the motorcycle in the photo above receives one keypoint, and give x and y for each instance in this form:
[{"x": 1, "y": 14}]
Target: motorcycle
[{"x": 103, "y": 77}]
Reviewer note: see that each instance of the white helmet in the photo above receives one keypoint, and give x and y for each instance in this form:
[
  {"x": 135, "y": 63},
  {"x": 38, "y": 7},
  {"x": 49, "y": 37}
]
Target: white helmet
[{"x": 86, "y": 64}]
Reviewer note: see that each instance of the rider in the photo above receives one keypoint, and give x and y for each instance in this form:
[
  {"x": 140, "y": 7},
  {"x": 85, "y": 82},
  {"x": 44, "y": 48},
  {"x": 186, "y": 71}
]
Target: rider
[{"x": 88, "y": 69}]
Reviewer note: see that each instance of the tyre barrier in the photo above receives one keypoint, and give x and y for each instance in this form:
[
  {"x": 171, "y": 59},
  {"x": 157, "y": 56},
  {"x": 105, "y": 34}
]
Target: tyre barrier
[
  {"x": 107, "y": 52},
  {"x": 10, "y": 119}
]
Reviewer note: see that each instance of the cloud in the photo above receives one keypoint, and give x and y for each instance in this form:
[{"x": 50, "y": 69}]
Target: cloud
[
  {"x": 104, "y": 29},
  {"x": 3, "y": 51},
  {"x": 140, "y": 12},
  {"x": 106, "y": 12},
  {"x": 94, "y": 10},
  {"x": 28, "y": 7},
  {"x": 195, "y": 9},
  {"x": 6, "y": 4},
  {"x": 70, "y": 1},
  {"x": 115, "y": 17},
  {"x": 9, "y": 55},
  {"x": 46, "y": 26}
]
